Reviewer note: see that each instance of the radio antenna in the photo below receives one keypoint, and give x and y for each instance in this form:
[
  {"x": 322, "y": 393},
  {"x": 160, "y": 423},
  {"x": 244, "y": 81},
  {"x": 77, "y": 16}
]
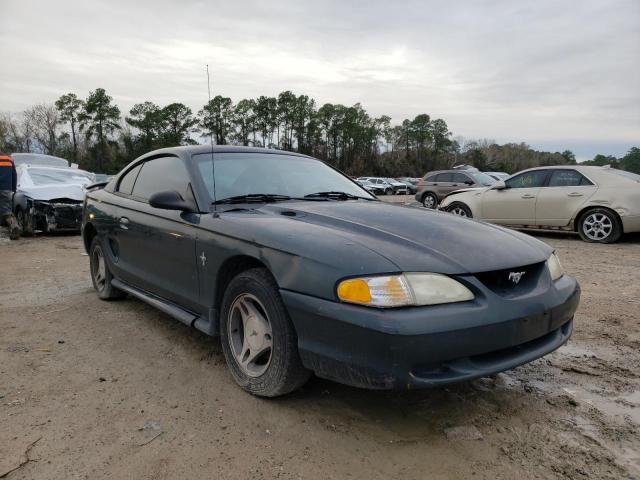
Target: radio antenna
[{"x": 213, "y": 163}]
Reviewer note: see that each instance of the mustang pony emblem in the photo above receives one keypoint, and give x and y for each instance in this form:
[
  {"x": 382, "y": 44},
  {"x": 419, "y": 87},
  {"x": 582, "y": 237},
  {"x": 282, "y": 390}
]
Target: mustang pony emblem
[{"x": 515, "y": 277}]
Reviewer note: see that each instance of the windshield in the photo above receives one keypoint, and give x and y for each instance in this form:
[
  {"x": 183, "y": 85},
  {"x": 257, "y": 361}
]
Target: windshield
[
  {"x": 482, "y": 178},
  {"x": 272, "y": 174},
  {"x": 44, "y": 176}
]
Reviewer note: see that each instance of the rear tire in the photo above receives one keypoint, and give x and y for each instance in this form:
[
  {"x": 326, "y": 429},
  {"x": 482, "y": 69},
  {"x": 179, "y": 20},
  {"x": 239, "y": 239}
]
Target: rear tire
[
  {"x": 460, "y": 209},
  {"x": 388, "y": 191},
  {"x": 599, "y": 225},
  {"x": 100, "y": 274},
  {"x": 429, "y": 200},
  {"x": 258, "y": 339}
]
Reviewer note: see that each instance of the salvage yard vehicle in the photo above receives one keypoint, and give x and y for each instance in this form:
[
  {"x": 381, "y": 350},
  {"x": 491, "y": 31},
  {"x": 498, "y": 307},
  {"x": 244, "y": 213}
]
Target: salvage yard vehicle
[
  {"x": 298, "y": 269},
  {"x": 370, "y": 187},
  {"x": 49, "y": 199},
  {"x": 438, "y": 184},
  {"x": 600, "y": 203},
  {"x": 38, "y": 159}
]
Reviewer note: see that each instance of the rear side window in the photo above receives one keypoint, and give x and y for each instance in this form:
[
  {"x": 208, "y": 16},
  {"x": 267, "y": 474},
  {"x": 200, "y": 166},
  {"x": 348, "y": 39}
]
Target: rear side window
[
  {"x": 568, "y": 178},
  {"x": 532, "y": 179},
  {"x": 162, "y": 174},
  {"x": 127, "y": 182}
]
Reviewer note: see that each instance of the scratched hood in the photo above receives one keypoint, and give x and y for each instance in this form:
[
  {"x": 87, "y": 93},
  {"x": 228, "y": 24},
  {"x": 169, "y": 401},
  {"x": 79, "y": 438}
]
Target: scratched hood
[
  {"x": 50, "y": 192},
  {"x": 419, "y": 239}
]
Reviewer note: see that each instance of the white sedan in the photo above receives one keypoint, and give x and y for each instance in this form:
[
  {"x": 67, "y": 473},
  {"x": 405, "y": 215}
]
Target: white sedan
[{"x": 600, "y": 203}]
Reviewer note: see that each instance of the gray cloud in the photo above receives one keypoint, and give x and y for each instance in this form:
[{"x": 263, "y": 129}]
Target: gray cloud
[{"x": 548, "y": 72}]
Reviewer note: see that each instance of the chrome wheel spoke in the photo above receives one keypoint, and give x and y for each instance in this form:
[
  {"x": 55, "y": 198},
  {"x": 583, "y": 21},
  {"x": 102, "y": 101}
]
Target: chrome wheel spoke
[{"x": 250, "y": 335}]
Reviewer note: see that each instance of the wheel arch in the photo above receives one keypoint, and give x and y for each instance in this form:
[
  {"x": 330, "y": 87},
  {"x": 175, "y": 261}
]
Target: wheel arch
[
  {"x": 584, "y": 210},
  {"x": 88, "y": 233},
  {"x": 230, "y": 268}
]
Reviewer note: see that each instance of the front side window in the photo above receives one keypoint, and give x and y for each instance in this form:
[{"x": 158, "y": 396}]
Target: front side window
[
  {"x": 239, "y": 174},
  {"x": 567, "y": 178},
  {"x": 444, "y": 177},
  {"x": 460, "y": 178},
  {"x": 160, "y": 175},
  {"x": 532, "y": 179},
  {"x": 126, "y": 183}
]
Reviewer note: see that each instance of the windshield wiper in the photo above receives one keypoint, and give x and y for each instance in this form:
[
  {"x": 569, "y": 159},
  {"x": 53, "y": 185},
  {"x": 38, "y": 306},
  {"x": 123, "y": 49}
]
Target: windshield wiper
[
  {"x": 336, "y": 196},
  {"x": 252, "y": 198}
]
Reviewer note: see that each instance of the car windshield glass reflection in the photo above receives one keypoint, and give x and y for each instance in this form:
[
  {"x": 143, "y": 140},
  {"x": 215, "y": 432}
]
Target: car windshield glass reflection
[{"x": 263, "y": 174}]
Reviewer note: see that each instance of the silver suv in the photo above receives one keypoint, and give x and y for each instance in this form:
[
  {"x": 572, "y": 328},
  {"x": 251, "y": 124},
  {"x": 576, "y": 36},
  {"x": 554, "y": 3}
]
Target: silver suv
[{"x": 437, "y": 185}]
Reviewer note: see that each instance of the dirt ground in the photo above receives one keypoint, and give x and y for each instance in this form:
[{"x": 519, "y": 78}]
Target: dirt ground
[{"x": 92, "y": 389}]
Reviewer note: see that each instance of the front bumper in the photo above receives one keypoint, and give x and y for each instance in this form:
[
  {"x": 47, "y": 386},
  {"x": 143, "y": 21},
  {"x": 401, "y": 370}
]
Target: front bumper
[
  {"x": 56, "y": 216},
  {"x": 421, "y": 347}
]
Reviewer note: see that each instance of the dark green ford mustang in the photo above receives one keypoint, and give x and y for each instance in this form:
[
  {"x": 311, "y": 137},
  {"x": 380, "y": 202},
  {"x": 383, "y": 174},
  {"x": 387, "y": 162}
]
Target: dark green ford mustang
[{"x": 298, "y": 269}]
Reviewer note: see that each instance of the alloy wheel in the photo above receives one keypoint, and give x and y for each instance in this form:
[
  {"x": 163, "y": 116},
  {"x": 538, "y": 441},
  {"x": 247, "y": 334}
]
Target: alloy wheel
[
  {"x": 99, "y": 268},
  {"x": 597, "y": 226},
  {"x": 250, "y": 335},
  {"x": 429, "y": 201},
  {"x": 458, "y": 211}
]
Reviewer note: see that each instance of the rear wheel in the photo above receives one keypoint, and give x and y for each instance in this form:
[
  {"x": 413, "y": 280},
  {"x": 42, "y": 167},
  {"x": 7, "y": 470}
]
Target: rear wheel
[
  {"x": 388, "y": 191},
  {"x": 460, "y": 209},
  {"x": 599, "y": 225},
  {"x": 429, "y": 200},
  {"x": 100, "y": 274},
  {"x": 258, "y": 339}
]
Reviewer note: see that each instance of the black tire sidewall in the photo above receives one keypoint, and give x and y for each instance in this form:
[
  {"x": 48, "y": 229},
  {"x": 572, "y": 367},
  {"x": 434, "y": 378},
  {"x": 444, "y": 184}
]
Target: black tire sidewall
[
  {"x": 285, "y": 372},
  {"x": 616, "y": 230},
  {"x": 108, "y": 292}
]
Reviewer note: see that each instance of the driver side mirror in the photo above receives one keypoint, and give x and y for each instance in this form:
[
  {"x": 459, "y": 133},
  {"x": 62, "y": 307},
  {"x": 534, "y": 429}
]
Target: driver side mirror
[
  {"x": 499, "y": 185},
  {"x": 468, "y": 182},
  {"x": 170, "y": 200}
]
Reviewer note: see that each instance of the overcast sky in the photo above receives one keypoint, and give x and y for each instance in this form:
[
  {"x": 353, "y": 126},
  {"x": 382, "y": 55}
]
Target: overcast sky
[{"x": 555, "y": 74}]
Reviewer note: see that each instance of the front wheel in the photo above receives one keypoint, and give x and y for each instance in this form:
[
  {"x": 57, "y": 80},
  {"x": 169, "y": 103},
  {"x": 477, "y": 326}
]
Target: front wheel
[
  {"x": 258, "y": 339},
  {"x": 429, "y": 200},
  {"x": 599, "y": 225},
  {"x": 460, "y": 209},
  {"x": 25, "y": 222}
]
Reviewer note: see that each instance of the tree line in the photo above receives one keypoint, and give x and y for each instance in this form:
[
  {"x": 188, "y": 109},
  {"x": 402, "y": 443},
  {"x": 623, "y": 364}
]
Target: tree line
[{"x": 94, "y": 133}]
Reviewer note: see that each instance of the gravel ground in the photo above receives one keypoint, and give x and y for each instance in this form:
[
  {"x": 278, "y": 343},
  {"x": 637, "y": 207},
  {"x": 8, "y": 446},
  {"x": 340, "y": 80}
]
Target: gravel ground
[{"x": 92, "y": 389}]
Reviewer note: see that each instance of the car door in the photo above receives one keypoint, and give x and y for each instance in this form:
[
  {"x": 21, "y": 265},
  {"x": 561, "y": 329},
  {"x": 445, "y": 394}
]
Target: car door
[
  {"x": 515, "y": 204},
  {"x": 156, "y": 246},
  {"x": 442, "y": 184},
  {"x": 562, "y": 196}
]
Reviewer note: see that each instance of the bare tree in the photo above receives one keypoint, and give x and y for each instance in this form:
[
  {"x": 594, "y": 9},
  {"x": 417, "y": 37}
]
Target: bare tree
[{"x": 44, "y": 120}]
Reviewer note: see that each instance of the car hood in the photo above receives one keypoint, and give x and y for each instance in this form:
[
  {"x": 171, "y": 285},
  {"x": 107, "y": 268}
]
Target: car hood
[
  {"x": 50, "y": 192},
  {"x": 418, "y": 239}
]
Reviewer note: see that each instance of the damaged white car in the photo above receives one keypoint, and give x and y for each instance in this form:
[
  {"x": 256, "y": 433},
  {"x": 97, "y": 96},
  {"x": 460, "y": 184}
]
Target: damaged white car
[{"x": 49, "y": 199}]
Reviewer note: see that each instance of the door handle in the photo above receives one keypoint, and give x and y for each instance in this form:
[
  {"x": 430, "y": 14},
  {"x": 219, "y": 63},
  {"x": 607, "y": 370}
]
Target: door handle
[
  {"x": 526, "y": 195},
  {"x": 124, "y": 221},
  {"x": 575, "y": 194}
]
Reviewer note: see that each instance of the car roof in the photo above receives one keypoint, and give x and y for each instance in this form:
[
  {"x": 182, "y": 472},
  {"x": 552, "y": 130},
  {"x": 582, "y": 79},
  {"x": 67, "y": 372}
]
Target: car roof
[{"x": 188, "y": 150}]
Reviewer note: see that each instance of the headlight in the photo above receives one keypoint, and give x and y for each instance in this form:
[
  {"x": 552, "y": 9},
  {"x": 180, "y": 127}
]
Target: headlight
[
  {"x": 409, "y": 289},
  {"x": 555, "y": 268}
]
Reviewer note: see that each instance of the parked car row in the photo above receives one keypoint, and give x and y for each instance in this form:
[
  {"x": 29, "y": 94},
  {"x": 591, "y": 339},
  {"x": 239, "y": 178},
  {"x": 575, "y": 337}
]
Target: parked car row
[
  {"x": 600, "y": 203},
  {"x": 389, "y": 186}
]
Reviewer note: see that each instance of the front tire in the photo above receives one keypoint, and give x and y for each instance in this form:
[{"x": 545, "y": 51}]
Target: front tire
[
  {"x": 258, "y": 339},
  {"x": 429, "y": 200},
  {"x": 25, "y": 222},
  {"x": 460, "y": 209},
  {"x": 100, "y": 274},
  {"x": 599, "y": 225}
]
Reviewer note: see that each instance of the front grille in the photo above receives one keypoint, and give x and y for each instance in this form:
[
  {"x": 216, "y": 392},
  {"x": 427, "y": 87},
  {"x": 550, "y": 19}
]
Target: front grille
[{"x": 503, "y": 282}]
